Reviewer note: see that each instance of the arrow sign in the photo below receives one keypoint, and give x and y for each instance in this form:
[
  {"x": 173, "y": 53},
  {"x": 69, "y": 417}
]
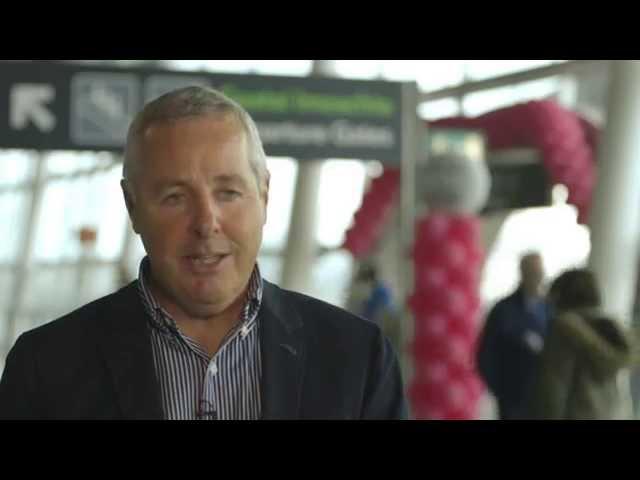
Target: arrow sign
[{"x": 27, "y": 103}]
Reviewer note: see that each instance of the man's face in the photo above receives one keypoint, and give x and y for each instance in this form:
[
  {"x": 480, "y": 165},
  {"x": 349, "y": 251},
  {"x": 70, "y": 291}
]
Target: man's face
[
  {"x": 532, "y": 272},
  {"x": 197, "y": 205}
]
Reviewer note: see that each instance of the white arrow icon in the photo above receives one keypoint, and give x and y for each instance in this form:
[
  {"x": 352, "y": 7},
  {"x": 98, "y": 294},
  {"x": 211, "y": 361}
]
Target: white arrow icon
[{"x": 27, "y": 103}]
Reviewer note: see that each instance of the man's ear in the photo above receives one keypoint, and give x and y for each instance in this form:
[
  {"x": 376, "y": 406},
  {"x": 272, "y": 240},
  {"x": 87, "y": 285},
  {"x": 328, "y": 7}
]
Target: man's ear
[{"x": 129, "y": 201}]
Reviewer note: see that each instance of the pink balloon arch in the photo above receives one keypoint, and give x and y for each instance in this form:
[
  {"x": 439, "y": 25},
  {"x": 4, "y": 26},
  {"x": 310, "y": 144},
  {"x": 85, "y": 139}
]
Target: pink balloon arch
[{"x": 567, "y": 143}]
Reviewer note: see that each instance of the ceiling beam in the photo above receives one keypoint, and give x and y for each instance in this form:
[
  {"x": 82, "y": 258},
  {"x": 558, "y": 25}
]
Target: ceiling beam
[{"x": 564, "y": 68}]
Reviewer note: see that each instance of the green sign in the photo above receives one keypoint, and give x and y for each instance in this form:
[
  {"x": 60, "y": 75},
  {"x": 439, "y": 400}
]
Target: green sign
[{"x": 51, "y": 105}]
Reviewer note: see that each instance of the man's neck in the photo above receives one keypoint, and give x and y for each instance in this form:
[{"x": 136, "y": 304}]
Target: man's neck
[{"x": 208, "y": 330}]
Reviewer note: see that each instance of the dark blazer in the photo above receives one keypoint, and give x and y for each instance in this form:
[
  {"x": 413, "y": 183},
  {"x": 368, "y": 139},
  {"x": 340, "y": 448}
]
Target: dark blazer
[
  {"x": 505, "y": 361},
  {"x": 318, "y": 362}
]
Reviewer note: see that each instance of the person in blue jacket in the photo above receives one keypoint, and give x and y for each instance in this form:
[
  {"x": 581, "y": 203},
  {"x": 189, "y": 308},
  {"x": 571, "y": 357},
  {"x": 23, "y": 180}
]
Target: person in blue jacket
[{"x": 513, "y": 339}]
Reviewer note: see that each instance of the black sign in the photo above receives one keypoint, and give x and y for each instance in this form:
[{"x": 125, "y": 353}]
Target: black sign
[
  {"x": 518, "y": 186},
  {"x": 53, "y": 106}
]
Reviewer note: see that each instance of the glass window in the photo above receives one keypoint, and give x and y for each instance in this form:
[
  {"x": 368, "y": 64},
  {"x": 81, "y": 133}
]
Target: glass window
[
  {"x": 482, "y": 69},
  {"x": 429, "y": 74},
  {"x": 358, "y": 69},
  {"x": 270, "y": 266},
  {"x": 552, "y": 231},
  {"x": 108, "y": 213},
  {"x": 70, "y": 204},
  {"x": 294, "y": 68},
  {"x": 16, "y": 166},
  {"x": 14, "y": 206},
  {"x": 341, "y": 189},
  {"x": 444, "y": 108},
  {"x": 477, "y": 103},
  {"x": 331, "y": 277},
  {"x": 68, "y": 162},
  {"x": 281, "y": 191}
]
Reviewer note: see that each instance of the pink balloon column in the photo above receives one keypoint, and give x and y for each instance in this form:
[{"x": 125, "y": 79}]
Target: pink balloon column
[
  {"x": 446, "y": 309},
  {"x": 371, "y": 219}
]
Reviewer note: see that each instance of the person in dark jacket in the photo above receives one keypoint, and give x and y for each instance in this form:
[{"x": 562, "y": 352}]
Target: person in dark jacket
[
  {"x": 513, "y": 338},
  {"x": 200, "y": 334},
  {"x": 585, "y": 352}
]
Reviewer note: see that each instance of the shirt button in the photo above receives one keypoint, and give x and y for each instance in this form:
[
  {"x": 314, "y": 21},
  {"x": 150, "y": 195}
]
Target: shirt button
[
  {"x": 245, "y": 331},
  {"x": 213, "y": 369}
]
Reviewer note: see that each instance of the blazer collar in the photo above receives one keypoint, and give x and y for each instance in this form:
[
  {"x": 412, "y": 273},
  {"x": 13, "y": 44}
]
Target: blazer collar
[
  {"x": 125, "y": 344},
  {"x": 283, "y": 355}
]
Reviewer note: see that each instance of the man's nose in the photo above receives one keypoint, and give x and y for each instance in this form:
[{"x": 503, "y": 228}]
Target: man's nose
[{"x": 206, "y": 217}]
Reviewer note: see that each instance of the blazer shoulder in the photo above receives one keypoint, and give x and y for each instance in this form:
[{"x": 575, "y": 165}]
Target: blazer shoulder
[
  {"x": 320, "y": 315},
  {"x": 80, "y": 320}
]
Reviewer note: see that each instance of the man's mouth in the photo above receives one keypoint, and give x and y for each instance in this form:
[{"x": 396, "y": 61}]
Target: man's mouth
[
  {"x": 204, "y": 263},
  {"x": 206, "y": 259}
]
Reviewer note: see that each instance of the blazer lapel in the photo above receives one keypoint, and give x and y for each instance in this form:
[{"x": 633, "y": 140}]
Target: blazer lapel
[
  {"x": 125, "y": 344},
  {"x": 283, "y": 356}
]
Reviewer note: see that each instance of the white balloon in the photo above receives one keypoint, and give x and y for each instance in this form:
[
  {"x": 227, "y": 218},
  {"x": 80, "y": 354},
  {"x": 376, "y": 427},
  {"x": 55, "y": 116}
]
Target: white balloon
[{"x": 454, "y": 183}]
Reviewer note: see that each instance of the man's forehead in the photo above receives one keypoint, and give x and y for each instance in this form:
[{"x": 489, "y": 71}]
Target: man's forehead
[
  {"x": 222, "y": 124},
  {"x": 217, "y": 129}
]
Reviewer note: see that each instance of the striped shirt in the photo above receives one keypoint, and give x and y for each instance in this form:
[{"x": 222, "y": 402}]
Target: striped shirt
[{"x": 194, "y": 385}]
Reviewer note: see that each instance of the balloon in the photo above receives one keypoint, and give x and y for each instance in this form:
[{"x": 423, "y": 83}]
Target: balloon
[{"x": 446, "y": 307}]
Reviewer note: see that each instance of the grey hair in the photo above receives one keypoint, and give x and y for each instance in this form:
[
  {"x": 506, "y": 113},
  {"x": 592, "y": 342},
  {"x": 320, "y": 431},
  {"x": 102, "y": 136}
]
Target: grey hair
[{"x": 197, "y": 101}]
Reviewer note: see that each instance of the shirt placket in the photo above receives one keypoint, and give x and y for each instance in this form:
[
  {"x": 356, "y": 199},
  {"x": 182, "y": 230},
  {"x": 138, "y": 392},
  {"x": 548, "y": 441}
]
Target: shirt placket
[
  {"x": 209, "y": 404},
  {"x": 209, "y": 408},
  {"x": 209, "y": 400}
]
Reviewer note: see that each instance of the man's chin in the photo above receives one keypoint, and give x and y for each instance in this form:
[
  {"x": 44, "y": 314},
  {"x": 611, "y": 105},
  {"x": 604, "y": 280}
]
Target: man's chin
[{"x": 206, "y": 304}]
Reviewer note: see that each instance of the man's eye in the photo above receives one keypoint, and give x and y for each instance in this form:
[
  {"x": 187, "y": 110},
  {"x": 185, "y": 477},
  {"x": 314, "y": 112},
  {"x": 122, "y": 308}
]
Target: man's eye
[
  {"x": 227, "y": 195},
  {"x": 172, "y": 199}
]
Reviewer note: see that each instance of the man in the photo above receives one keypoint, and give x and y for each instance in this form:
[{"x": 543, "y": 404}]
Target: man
[
  {"x": 199, "y": 334},
  {"x": 513, "y": 339}
]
